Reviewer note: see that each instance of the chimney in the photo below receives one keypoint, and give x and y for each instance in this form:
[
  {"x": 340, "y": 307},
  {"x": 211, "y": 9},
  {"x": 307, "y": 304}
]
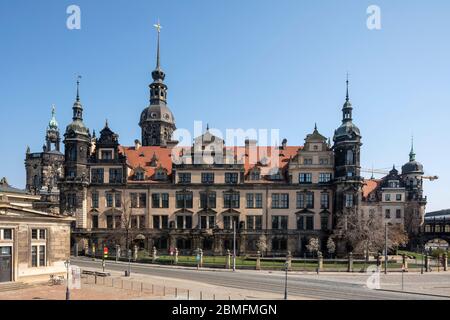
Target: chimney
[{"x": 137, "y": 144}]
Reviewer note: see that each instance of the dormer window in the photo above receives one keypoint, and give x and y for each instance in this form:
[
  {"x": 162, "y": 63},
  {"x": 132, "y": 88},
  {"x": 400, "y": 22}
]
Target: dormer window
[
  {"x": 255, "y": 175},
  {"x": 139, "y": 175},
  {"x": 106, "y": 155},
  {"x": 394, "y": 184},
  {"x": 160, "y": 174}
]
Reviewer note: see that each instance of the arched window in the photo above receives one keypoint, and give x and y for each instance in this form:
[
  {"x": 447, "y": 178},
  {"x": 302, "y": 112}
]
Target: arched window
[{"x": 349, "y": 157}]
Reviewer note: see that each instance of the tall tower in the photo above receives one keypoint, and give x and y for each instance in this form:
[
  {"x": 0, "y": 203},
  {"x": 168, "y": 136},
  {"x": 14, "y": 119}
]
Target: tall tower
[
  {"x": 157, "y": 121},
  {"x": 44, "y": 169},
  {"x": 77, "y": 141},
  {"x": 412, "y": 173},
  {"x": 347, "y": 177}
]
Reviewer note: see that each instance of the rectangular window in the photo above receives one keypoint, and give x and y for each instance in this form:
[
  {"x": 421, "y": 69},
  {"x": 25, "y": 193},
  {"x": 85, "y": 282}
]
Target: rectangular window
[
  {"x": 280, "y": 222},
  {"x": 95, "y": 201},
  {"x": 97, "y": 175},
  {"x": 118, "y": 199},
  {"x": 134, "y": 200},
  {"x": 323, "y": 161},
  {"x": 307, "y": 161},
  {"x": 34, "y": 234},
  {"x": 324, "y": 222},
  {"x": 42, "y": 234},
  {"x": 7, "y": 234},
  {"x": 188, "y": 222},
  {"x": 300, "y": 223},
  {"x": 250, "y": 202},
  {"x": 309, "y": 223},
  {"x": 155, "y": 200},
  {"x": 231, "y": 200},
  {"x": 300, "y": 200},
  {"x": 134, "y": 222},
  {"x": 324, "y": 177},
  {"x": 106, "y": 155},
  {"x": 207, "y": 177},
  {"x": 110, "y": 222},
  {"x": 38, "y": 234},
  {"x": 156, "y": 222},
  {"x": 258, "y": 200},
  {"x": 275, "y": 200},
  {"x": 180, "y": 222},
  {"x": 398, "y": 197},
  {"x": 258, "y": 222},
  {"x": 141, "y": 221},
  {"x": 398, "y": 213},
  {"x": 211, "y": 222},
  {"x": 184, "y": 177},
  {"x": 229, "y": 221},
  {"x": 280, "y": 200},
  {"x": 142, "y": 200},
  {"x": 203, "y": 222},
  {"x": 388, "y": 213},
  {"x": 305, "y": 177},
  {"x": 165, "y": 222},
  {"x": 71, "y": 200},
  {"x": 164, "y": 200},
  {"x": 207, "y": 200},
  {"x": 115, "y": 175},
  {"x": 94, "y": 222},
  {"x": 348, "y": 200},
  {"x": 309, "y": 197},
  {"x": 34, "y": 256},
  {"x": 41, "y": 256},
  {"x": 231, "y": 177},
  {"x": 387, "y": 197},
  {"x": 109, "y": 200},
  {"x": 324, "y": 200},
  {"x": 250, "y": 222},
  {"x": 184, "y": 200}
]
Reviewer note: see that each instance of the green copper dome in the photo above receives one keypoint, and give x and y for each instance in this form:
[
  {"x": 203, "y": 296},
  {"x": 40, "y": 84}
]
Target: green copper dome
[{"x": 53, "y": 124}]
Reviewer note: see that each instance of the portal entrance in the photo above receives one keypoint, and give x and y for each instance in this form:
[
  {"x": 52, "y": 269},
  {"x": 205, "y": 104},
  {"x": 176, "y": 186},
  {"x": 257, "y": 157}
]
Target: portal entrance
[{"x": 5, "y": 264}]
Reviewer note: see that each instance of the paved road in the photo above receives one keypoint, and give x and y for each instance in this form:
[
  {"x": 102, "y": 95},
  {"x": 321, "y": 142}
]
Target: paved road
[{"x": 309, "y": 286}]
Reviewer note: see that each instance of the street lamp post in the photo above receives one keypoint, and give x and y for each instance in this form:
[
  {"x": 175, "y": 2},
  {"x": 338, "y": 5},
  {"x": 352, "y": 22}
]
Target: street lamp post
[
  {"x": 129, "y": 262},
  {"x": 385, "y": 248},
  {"x": 234, "y": 245},
  {"x": 286, "y": 281},
  {"x": 67, "y": 264}
]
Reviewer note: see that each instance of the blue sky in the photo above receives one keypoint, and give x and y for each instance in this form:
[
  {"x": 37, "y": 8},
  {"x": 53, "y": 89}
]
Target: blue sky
[{"x": 234, "y": 64}]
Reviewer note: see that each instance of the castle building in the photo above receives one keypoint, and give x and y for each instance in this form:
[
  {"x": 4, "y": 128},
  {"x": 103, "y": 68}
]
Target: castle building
[
  {"x": 157, "y": 194},
  {"x": 43, "y": 169}
]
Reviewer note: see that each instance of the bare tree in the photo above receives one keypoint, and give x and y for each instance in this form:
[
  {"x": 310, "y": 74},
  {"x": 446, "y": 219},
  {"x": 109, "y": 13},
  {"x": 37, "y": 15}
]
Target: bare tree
[
  {"x": 313, "y": 245},
  {"x": 261, "y": 245},
  {"x": 126, "y": 222},
  {"x": 367, "y": 235},
  {"x": 331, "y": 246}
]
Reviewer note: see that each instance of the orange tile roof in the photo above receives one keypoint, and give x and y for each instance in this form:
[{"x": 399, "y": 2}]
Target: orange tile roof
[
  {"x": 143, "y": 156},
  {"x": 369, "y": 186}
]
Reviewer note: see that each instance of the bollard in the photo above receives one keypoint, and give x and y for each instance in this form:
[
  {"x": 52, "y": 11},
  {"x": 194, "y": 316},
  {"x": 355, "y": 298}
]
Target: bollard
[
  {"x": 228, "y": 260},
  {"x": 135, "y": 253},
  {"x": 258, "y": 261},
  {"x": 117, "y": 253},
  {"x": 176, "y": 256},
  {"x": 201, "y": 295},
  {"x": 319, "y": 262},
  {"x": 154, "y": 255},
  {"x": 188, "y": 294},
  {"x": 405, "y": 262},
  {"x": 350, "y": 262},
  {"x": 176, "y": 292},
  {"x": 289, "y": 261},
  {"x": 201, "y": 258},
  {"x": 445, "y": 258},
  {"x": 427, "y": 263}
]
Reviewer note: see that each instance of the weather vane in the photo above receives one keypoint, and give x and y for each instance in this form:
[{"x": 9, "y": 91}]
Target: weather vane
[{"x": 158, "y": 26}]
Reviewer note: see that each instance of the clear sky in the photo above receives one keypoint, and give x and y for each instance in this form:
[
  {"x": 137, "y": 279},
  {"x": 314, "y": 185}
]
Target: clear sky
[{"x": 234, "y": 64}]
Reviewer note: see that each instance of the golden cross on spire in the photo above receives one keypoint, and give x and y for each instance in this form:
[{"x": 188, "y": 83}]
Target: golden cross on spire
[{"x": 158, "y": 26}]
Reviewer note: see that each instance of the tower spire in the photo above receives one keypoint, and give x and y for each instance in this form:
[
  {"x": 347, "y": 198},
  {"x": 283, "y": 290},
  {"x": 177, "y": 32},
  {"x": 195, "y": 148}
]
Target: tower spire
[
  {"x": 158, "y": 28},
  {"x": 77, "y": 107},
  {"x": 347, "y": 96},
  {"x": 412, "y": 155},
  {"x": 347, "y": 109}
]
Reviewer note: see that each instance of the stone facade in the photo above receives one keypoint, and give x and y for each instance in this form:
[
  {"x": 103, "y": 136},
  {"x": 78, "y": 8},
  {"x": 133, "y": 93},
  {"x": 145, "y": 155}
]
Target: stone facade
[
  {"x": 33, "y": 244},
  {"x": 157, "y": 194}
]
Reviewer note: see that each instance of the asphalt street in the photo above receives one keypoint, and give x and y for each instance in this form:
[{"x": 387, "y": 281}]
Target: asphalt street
[{"x": 308, "y": 286}]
